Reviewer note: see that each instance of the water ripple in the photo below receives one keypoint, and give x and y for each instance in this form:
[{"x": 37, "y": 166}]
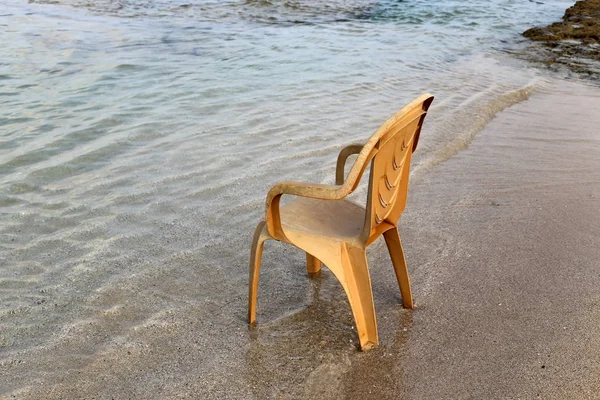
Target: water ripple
[{"x": 138, "y": 140}]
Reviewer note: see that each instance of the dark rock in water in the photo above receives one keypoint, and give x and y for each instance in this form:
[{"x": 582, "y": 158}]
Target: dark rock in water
[
  {"x": 580, "y": 22},
  {"x": 575, "y": 41}
]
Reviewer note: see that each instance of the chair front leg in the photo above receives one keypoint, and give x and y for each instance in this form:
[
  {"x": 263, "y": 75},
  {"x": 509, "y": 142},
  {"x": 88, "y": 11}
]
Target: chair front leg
[
  {"x": 360, "y": 294},
  {"x": 260, "y": 236}
]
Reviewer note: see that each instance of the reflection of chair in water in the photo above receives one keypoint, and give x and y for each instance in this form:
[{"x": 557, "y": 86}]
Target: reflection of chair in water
[{"x": 336, "y": 231}]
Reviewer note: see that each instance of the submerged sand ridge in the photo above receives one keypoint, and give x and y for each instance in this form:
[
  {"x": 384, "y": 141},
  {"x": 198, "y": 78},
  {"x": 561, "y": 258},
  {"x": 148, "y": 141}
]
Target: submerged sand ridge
[{"x": 503, "y": 247}]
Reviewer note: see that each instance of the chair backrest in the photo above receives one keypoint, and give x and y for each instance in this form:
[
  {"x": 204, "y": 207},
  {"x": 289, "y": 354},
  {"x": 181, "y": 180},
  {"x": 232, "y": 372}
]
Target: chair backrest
[{"x": 389, "y": 151}]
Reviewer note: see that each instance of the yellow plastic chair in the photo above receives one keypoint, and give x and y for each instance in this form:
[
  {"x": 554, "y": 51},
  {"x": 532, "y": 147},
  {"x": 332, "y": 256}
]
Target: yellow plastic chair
[{"x": 337, "y": 232}]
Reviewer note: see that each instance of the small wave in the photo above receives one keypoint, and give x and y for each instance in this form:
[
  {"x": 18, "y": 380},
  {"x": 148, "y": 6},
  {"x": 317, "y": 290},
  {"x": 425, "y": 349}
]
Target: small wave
[{"x": 468, "y": 121}]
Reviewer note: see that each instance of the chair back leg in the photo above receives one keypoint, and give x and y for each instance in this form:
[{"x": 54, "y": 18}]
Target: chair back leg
[
  {"x": 313, "y": 265},
  {"x": 394, "y": 245}
]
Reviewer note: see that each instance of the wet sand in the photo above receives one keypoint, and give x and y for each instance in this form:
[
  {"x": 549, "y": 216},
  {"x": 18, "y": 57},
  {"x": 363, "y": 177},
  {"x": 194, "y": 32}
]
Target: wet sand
[
  {"x": 513, "y": 305},
  {"x": 503, "y": 245}
]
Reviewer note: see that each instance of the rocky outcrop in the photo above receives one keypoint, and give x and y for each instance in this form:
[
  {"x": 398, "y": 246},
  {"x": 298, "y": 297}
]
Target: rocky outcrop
[
  {"x": 574, "y": 41},
  {"x": 580, "y": 22}
]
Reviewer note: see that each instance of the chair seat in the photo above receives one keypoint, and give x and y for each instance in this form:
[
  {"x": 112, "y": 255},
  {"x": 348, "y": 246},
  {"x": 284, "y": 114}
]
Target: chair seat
[{"x": 337, "y": 220}]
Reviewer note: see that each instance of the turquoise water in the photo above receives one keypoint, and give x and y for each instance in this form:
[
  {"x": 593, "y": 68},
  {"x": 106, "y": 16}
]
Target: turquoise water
[
  {"x": 138, "y": 140},
  {"x": 85, "y": 87}
]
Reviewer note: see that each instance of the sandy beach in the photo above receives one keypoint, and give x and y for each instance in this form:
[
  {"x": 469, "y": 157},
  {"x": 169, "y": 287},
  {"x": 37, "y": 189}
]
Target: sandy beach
[
  {"x": 512, "y": 308},
  {"x": 503, "y": 245},
  {"x": 138, "y": 142}
]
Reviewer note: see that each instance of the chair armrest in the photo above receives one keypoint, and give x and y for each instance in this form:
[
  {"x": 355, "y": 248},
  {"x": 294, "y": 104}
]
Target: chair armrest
[
  {"x": 315, "y": 191},
  {"x": 341, "y": 161}
]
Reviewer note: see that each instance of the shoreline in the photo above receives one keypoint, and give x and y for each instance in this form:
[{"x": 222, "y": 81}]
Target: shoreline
[
  {"x": 130, "y": 283},
  {"x": 503, "y": 257}
]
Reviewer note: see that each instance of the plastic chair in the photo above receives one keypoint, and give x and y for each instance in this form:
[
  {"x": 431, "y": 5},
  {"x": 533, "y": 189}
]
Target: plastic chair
[{"x": 337, "y": 232}]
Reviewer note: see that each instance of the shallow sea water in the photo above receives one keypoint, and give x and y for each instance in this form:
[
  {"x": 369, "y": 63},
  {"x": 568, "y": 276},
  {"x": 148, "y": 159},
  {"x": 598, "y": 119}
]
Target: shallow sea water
[{"x": 138, "y": 140}]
